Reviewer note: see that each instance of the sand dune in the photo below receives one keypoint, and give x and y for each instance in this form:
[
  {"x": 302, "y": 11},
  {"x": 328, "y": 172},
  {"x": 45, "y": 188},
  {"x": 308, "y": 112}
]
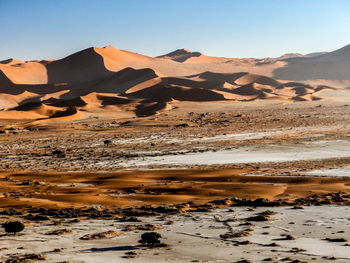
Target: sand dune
[
  {"x": 94, "y": 64},
  {"x": 23, "y": 73},
  {"x": 181, "y": 55},
  {"x": 11, "y": 61},
  {"x": 333, "y": 66},
  {"x": 97, "y": 79},
  {"x": 187, "y": 56},
  {"x": 145, "y": 93},
  {"x": 290, "y": 55}
]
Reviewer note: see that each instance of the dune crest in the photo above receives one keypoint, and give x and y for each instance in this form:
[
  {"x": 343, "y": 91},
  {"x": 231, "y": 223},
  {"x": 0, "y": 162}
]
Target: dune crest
[
  {"x": 181, "y": 55},
  {"x": 97, "y": 80},
  {"x": 332, "y": 66}
]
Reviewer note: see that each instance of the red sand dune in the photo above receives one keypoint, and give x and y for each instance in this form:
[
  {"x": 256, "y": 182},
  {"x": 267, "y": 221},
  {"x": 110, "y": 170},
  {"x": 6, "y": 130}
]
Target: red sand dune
[{"x": 96, "y": 78}]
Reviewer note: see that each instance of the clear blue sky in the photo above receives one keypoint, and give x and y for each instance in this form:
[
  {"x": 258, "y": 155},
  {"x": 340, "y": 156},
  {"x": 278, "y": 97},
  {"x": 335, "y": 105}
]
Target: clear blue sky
[{"x": 36, "y": 29}]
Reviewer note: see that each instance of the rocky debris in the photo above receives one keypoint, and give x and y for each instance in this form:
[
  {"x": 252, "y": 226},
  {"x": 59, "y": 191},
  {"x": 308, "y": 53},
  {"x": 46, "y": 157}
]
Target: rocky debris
[
  {"x": 130, "y": 254},
  {"x": 24, "y": 258},
  {"x": 59, "y": 232},
  {"x": 146, "y": 227},
  {"x": 288, "y": 237},
  {"x": 274, "y": 244},
  {"x": 129, "y": 219},
  {"x": 37, "y": 217},
  {"x": 58, "y": 154},
  {"x": 107, "y": 234},
  {"x": 72, "y": 213},
  {"x": 131, "y": 214},
  {"x": 259, "y": 218},
  {"x": 337, "y": 239},
  {"x": 57, "y": 250},
  {"x": 268, "y": 213},
  {"x": 243, "y": 243},
  {"x": 242, "y": 233}
]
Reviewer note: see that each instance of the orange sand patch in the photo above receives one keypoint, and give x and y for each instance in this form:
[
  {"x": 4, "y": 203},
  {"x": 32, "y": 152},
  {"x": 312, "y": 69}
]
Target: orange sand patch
[{"x": 125, "y": 188}]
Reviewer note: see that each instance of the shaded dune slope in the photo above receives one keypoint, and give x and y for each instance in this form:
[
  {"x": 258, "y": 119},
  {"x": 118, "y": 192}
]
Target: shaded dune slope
[
  {"x": 107, "y": 79},
  {"x": 80, "y": 67},
  {"x": 145, "y": 93},
  {"x": 181, "y": 55},
  {"x": 333, "y": 66}
]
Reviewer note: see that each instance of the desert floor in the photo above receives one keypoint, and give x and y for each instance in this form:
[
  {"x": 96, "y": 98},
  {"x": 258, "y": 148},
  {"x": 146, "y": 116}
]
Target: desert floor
[
  {"x": 191, "y": 173},
  {"x": 312, "y": 234}
]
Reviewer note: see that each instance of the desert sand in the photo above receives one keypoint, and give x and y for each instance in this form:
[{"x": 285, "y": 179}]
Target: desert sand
[
  {"x": 246, "y": 158},
  {"x": 96, "y": 79},
  {"x": 291, "y": 235}
]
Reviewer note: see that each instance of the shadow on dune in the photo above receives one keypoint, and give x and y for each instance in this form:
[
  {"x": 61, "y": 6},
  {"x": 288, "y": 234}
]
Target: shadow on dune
[
  {"x": 83, "y": 82},
  {"x": 150, "y": 107},
  {"x": 82, "y": 66},
  {"x": 76, "y": 102},
  {"x": 160, "y": 91},
  {"x": 5, "y": 83},
  {"x": 108, "y": 100},
  {"x": 70, "y": 111},
  {"x": 28, "y": 106}
]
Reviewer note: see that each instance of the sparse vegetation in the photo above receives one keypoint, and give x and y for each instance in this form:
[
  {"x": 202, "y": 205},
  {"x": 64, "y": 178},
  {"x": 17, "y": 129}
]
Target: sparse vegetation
[
  {"x": 151, "y": 239},
  {"x": 13, "y": 227},
  {"x": 107, "y": 142}
]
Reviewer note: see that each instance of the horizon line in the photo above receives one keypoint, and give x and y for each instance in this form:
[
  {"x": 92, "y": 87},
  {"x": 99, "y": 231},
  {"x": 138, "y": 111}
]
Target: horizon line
[{"x": 144, "y": 54}]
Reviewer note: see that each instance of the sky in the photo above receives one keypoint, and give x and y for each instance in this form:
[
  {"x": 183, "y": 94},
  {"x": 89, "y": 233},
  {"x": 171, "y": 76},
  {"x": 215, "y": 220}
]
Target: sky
[{"x": 52, "y": 29}]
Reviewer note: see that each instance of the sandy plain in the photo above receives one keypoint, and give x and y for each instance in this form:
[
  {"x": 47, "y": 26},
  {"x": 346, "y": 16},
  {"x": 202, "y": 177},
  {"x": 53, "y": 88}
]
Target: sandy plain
[{"x": 112, "y": 165}]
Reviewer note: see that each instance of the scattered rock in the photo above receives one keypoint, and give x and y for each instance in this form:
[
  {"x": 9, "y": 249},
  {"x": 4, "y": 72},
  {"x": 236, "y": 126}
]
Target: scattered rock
[
  {"x": 130, "y": 254},
  {"x": 107, "y": 234},
  {"x": 16, "y": 258},
  {"x": 336, "y": 239},
  {"x": 59, "y": 232},
  {"x": 259, "y": 218}
]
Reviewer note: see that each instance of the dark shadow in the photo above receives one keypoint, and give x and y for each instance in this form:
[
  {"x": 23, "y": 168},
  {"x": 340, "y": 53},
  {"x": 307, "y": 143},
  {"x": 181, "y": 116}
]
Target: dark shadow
[
  {"x": 28, "y": 106},
  {"x": 160, "y": 91},
  {"x": 228, "y": 77},
  {"x": 106, "y": 249},
  {"x": 193, "y": 235},
  {"x": 84, "y": 65},
  {"x": 109, "y": 100},
  {"x": 282, "y": 239},
  {"x": 181, "y": 55},
  {"x": 5, "y": 83},
  {"x": 149, "y": 108},
  {"x": 76, "y": 102},
  {"x": 68, "y": 112}
]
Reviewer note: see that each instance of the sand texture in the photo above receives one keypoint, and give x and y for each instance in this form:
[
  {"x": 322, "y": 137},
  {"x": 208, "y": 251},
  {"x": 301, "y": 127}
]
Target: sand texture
[
  {"x": 229, "y": 159},
  {"x": 99, "y": 81}
]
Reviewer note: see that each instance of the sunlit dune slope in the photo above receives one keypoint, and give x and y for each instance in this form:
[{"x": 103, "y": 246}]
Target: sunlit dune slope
[{"x": 95, "y": 80}]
